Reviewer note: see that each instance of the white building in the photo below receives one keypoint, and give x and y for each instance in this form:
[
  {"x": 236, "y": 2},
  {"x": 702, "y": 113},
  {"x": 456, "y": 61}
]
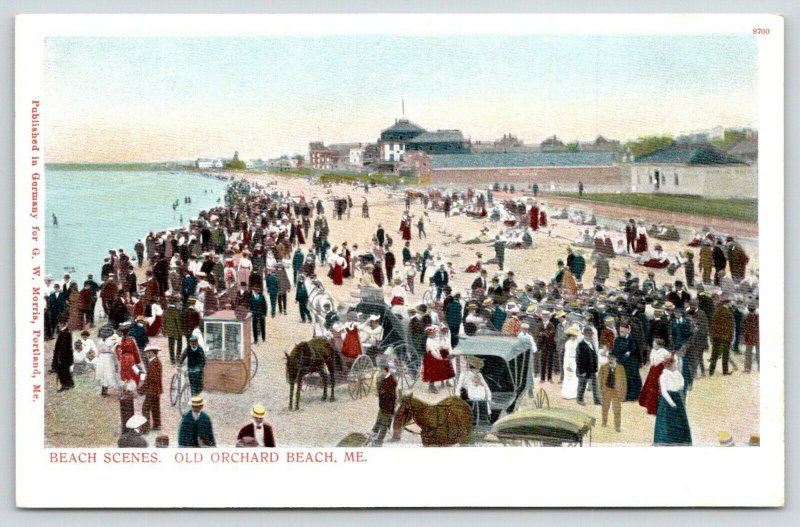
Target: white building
[
  {"x": 218, "y": 163},
  {"x": 204, "y": 163},
  {"x": 700, "y": 170},
  {"x": 357, "y": 156}
]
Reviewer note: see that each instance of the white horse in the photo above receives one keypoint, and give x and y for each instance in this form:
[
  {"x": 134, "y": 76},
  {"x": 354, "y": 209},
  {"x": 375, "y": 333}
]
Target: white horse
[{"x": 320, "y": 303}]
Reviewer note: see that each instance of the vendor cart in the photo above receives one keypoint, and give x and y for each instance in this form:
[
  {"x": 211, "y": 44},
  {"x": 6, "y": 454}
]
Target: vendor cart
[{"x": 230, "y": 362}]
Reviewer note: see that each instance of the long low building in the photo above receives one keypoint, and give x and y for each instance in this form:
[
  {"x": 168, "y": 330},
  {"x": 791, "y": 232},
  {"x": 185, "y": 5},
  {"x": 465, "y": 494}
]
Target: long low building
[
  {"x": 700, "y": 170},
  {"x": 549, "y": 170}
]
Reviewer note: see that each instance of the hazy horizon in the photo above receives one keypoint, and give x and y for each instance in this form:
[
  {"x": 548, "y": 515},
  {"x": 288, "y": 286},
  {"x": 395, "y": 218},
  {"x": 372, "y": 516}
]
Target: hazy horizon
[{"x": 174, "y": 99}]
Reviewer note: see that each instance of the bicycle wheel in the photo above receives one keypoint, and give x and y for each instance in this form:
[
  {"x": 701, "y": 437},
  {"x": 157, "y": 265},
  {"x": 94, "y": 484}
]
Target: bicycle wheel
[
  {"x": 174, "y": 389},
  {"x": 253, "y": 365},
  {"x": 185, "y": 402}
]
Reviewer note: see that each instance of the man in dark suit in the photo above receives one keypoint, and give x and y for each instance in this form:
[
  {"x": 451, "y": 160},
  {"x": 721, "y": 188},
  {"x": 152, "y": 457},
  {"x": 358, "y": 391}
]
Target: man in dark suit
[
  {"x": 62, "y": 357},
  {"x": 257, "y": 303},
  {"x": 258, "y": 429},
  {"x": 480, "y": 283},
  {"x": 587, "y": 366},
  {"x": 387, "y": 399},
  {"x": 153, "y": 388},
  {"x": 630, "y": 235}
]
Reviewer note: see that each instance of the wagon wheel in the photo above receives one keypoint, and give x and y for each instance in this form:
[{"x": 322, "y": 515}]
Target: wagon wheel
[
  {"x": 408, "y": 366},
  {"x": 542, "y": 400},
  {"x": 253, "y": 365},
  {"x": 185, "y": 399},
  {"x": 173, "y": 389},
  {"x": 360, "y": 377}
]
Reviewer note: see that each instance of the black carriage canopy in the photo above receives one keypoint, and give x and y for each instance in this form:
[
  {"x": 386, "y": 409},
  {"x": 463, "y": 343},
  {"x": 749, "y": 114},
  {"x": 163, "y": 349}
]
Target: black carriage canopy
[{"x": 506, "y": 366}]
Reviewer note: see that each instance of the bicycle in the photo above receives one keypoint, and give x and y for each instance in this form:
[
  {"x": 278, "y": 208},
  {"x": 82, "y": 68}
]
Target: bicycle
[{"x": 180, "y": 392}]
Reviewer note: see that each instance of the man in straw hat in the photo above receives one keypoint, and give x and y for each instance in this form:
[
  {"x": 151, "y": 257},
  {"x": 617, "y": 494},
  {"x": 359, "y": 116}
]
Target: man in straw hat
[
  {"x": 387, "y": 400},
  {"x": 472, "y": 387},
  {"x": 258, "y": 429},
  {"x": 153, "y": 388},
  {"x": 196, "y": 429},
  {"x": 613, "y": 388},
  {"x": 132, "y": 436}
]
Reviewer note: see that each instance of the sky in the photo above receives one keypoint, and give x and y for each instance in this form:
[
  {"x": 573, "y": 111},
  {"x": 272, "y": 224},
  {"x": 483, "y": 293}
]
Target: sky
[{"x": 156, "y": 99}]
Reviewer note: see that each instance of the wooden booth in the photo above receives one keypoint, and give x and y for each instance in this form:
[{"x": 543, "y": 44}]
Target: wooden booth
[{"x": 228, "y": 352}]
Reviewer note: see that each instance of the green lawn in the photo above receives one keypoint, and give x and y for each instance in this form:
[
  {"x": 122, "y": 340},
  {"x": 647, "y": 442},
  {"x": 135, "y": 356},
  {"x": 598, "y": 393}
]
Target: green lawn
[{"x": 733, "y": 209}]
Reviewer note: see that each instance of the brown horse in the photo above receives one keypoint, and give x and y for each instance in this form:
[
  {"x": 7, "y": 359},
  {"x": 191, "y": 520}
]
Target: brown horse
[
  {"x": 445, "y": 423},
  {"x": 315, "y": 355}
]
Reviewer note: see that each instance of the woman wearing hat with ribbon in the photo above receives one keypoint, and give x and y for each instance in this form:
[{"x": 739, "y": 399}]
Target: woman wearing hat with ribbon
[{"x": 258, "y": 429}]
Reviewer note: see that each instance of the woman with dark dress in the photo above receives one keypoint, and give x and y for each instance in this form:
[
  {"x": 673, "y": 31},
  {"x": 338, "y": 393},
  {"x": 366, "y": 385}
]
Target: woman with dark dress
[{"x": 672, "y": 423}]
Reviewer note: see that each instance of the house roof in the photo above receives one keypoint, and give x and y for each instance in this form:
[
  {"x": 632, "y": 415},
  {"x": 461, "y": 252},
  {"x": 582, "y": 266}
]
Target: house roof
[
  {"x": 690, "y": 155},
  {"x": 522, "y": 159},
  {"x": 744, "y": 147},
  {"x": 404, "y": 125},
  {"x": 439, "y": 136}
]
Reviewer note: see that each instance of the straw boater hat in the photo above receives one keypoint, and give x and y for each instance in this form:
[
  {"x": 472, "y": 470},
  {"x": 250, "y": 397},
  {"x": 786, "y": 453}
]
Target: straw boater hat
[
  {"x": 725, "y": 439},
  {"x": 531, "y": 308},
  {"x": 135, "y": 421},
  {"x": 487, "y": 302},
  {"x": 573, "y": 330},
  {"x": 197, "y": 401},
  {"x": 475, "y": 362},
  {"x": 258, "y": 411}
]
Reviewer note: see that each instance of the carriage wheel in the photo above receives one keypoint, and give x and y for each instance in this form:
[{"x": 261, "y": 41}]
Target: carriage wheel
[
  {"x": 542, "y": 399},
  {"x": 360, "y": 377},
  {"x": 253, "y": 365},
  {"x": 173, "y": 389},
  {"x": 185, "y": 399},
  {"x": 408, "y": 366}
]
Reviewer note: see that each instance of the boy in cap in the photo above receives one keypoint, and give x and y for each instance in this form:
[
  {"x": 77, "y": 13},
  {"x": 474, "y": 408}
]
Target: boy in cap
[
  {"x": 132, "y": 436},
  {"x": 196, "y": 362}
]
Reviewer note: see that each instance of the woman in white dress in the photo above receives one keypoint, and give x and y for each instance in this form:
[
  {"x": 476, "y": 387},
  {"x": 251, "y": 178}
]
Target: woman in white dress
[
  {"x": 106, "y": 364},
  {"x": 245, "y": 268},
  {"x": 569, "y": 389}
]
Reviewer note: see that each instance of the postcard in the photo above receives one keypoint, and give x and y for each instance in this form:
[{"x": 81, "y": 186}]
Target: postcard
[{"x": 399, "y": 260}]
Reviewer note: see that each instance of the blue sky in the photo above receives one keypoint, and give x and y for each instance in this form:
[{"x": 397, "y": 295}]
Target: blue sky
[{"x": 120, "y": 99}]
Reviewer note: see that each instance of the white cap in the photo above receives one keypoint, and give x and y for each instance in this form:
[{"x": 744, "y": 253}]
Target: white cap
[{"x": 136, "y": 421}]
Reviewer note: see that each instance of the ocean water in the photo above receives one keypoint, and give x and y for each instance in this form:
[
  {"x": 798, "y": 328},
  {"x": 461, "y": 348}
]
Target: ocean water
[{"x": 101, "y": 210}]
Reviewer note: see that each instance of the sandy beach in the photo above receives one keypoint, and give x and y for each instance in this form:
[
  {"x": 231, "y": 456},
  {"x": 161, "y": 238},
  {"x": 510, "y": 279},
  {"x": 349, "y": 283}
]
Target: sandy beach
[{"x": 79, "y": 417}]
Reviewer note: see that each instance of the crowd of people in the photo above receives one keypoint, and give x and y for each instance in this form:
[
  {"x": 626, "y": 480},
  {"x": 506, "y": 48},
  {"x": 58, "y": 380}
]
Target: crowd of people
[{"x": 250, "y": 253}]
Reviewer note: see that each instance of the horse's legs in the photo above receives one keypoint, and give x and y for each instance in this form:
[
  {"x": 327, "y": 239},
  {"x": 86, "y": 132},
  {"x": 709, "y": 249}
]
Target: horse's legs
[
  {"x": 332, "y": 377},
  {"x": 297, "y": 395},
  {"x": 291, "y": 396},
  {"x": 324, "y": 377}
]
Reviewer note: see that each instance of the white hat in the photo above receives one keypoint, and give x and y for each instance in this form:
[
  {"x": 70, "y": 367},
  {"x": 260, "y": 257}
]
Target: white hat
[
  {"x": 136, "y": 421},
  {"x": 374, "y": 318}
]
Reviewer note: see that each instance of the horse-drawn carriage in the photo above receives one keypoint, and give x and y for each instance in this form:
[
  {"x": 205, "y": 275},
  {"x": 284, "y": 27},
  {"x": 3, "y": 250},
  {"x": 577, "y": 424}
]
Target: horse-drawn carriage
[
  {"x": 507, "y": 369},
  {"x": 358, "y": 373}
]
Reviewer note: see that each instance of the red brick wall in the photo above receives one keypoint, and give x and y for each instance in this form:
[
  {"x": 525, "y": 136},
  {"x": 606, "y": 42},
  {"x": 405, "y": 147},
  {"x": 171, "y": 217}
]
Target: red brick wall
[{"x": 607, "y": 176}]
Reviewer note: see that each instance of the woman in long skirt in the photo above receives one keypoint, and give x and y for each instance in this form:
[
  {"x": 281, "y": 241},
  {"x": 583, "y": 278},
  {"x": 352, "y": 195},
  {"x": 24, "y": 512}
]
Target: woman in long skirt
[
  {"x": 569, "y": 389},
  {"x": 672, "y": 423}
]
